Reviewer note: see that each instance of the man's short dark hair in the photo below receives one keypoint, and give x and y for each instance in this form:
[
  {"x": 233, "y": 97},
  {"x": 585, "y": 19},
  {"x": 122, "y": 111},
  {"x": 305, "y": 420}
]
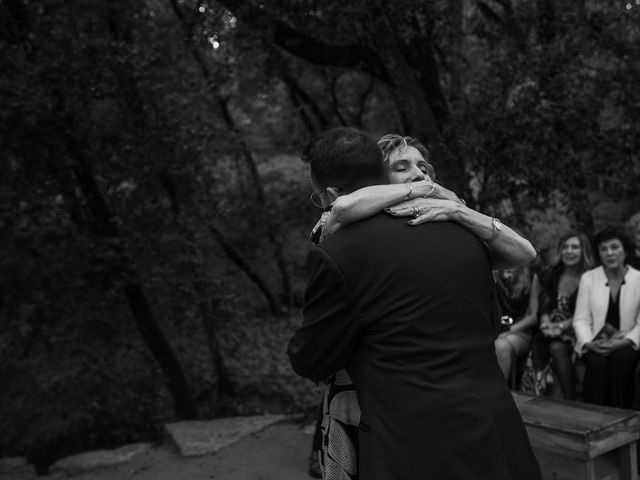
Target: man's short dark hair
[
  {"x": 611, "y": 233},
  {"x": 345, "y": 158}
]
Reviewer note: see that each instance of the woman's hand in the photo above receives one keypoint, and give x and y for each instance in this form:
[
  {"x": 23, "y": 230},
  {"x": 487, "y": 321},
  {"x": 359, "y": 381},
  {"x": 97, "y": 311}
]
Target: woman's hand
[
  {"x": 545, "y": 329},
  {"x": 605, "y": 347},
  {"x": 442, "y": 193},
  {"x": 618, "y": 335},
  {"x": 599, "y": 347},
  {"x": 618, "y": 343},
  {"x": 423, "y": 189},
  {"x": 429, "y": 189},
  {"x": 425, "y": 210},
  {"x": 551, "y": 330},
  {"x": 545, "y": 325}
]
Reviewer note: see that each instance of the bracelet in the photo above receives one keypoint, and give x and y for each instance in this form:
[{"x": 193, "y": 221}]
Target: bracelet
[
  {"x": 433, "y": 187},
  {"x": 410, "y": 191},
  {"x": 497, "y": 228}
]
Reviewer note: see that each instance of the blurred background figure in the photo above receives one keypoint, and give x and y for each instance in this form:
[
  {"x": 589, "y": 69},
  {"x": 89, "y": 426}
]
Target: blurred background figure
[
  {"x": 633, "y": 226},
  {"x": 517, "y": 291},
  {"x": 557, "y": 304},
  {"x": 607, "y": 322}
]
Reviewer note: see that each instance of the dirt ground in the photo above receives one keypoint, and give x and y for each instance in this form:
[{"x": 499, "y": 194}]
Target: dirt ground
[{"x": 279, "y": 452}]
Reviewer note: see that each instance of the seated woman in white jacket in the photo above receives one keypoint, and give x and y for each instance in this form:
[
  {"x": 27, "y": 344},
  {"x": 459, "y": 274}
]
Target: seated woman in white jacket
[{"x": 609, "y": 294}]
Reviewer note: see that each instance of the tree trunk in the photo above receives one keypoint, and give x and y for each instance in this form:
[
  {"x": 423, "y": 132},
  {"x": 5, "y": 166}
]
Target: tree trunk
[
  {"x": 455, "y": 58},
  {"x": 153, "y": 337},
  {"x": 102, "y": 223},
  {"x": 225, "y": 386},
  {"x": 161, "y": 350},
  {"x": 303, "y": 101},
  {"x": 287, "y": 292},
  {"x": 242, "y": 264},
  {"x": 286, "y": 285}
]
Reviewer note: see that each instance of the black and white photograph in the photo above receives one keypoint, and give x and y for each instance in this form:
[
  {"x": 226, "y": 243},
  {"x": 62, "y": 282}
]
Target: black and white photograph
[{"x": 298, "y": 239}]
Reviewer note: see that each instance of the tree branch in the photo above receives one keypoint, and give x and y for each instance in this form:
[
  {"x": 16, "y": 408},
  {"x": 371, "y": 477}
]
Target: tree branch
[
  {"x": 362, "y": 102},
  {"x": 320, "y": 53},
  {"x": 333, "y": 87},
  {"x": 305, "y": 99},
  {"x": 308, "y": 48}
]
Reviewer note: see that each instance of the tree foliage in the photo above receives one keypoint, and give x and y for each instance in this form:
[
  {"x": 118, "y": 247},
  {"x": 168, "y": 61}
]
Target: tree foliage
[{"x": 153, "y": 212}]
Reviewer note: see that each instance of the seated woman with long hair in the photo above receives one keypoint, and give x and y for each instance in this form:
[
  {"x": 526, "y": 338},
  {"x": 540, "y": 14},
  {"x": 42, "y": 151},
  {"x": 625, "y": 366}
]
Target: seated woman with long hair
[
  {"x": 518, "y": 290},
  {"x": 557, "y": 303},
  {"x": 633, "y": 226}
]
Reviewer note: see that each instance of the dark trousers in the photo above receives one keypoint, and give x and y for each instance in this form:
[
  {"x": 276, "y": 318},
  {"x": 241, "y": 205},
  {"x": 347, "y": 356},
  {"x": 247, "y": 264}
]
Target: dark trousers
[
  {"x": 563, "y": 367},
  {"x": 609, "y": 380},
  {"x": 546, "y": 349},
  {"x": 635, "y": 402}
]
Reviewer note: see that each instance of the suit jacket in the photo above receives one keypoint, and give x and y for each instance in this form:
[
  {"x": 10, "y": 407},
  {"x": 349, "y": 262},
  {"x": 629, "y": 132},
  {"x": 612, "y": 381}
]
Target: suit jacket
[
  {"x": 593, "y": 302},
  {"x": 409, "y": 312}
]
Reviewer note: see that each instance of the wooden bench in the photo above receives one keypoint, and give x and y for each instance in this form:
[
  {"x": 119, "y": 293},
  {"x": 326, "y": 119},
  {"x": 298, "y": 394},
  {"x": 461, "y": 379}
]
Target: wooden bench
[{"x": 579, "y": 441}]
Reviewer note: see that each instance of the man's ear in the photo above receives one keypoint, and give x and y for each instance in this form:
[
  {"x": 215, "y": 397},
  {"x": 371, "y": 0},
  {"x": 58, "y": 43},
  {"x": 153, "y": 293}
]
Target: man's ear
[{"x": 331, "y": 193}]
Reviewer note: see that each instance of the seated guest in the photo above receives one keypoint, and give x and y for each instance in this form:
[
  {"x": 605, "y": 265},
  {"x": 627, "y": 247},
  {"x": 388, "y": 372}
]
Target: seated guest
[
  {"x": 607, "y": 323},
  {"x": 633, "y": 224},
  {"x": 557, "y": 303},
  {"x": 517, "y": 290}
]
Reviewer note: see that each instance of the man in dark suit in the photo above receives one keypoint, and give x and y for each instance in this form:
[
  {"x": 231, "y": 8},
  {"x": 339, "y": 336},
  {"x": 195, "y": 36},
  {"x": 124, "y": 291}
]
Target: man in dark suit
[{"x": 409, "y": 313}]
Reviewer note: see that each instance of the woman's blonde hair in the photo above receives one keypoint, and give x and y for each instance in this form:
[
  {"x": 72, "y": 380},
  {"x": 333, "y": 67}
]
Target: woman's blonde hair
[
  {"x": 587, "y": 261},
  {"x": 392, "y": 142},
  {"x": 520, "y": 281}
]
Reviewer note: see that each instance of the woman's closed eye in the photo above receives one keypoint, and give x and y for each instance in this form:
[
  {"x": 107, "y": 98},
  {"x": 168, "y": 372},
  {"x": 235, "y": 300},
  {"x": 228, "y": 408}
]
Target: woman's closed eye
[{"x": 400, "y": 166}]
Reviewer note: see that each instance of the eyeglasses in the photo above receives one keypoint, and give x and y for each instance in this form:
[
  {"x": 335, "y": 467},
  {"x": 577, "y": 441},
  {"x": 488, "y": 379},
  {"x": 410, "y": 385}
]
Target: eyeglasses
[
  {"x": 316, "y": 197},
  {"x": 316, "y": 200}
]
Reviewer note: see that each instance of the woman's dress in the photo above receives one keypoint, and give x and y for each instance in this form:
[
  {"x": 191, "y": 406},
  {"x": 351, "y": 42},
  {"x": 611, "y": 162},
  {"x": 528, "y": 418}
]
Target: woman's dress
[{"x": 340, "y": 411}]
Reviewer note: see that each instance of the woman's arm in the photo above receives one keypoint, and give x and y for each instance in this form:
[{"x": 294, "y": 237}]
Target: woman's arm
[
  {"x": 633, "y": 335},
  {"x": 582, "y": 318},
  {"x": 368, "y": 201},
  {"x": 530, "y": 320},
  {"x": 508, "y": 250}
]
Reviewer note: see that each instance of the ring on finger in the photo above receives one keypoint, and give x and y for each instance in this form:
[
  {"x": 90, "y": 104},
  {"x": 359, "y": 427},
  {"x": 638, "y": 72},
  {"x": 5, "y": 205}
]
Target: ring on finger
[{"x": 416, "y": 211}]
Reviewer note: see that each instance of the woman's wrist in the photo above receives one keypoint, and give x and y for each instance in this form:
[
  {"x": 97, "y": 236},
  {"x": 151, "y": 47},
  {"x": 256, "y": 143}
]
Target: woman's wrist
[
  {"x": 422, "y": 189},
  {"x": 409, "y": 193}
]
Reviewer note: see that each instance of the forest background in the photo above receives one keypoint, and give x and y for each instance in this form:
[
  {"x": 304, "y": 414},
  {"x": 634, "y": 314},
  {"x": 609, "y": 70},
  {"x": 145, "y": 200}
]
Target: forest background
[{"x": 154, "y": 211}]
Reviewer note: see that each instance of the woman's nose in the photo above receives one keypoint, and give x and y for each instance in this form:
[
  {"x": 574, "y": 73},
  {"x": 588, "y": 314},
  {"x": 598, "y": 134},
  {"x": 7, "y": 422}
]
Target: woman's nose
[{"x": 417, "y": 175}]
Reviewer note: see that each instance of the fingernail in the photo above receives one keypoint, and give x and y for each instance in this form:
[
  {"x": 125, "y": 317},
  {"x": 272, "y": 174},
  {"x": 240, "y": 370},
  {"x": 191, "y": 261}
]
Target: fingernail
[
  {"x": 411, "y": 222},
  {"x": 388, "y": 210}
]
